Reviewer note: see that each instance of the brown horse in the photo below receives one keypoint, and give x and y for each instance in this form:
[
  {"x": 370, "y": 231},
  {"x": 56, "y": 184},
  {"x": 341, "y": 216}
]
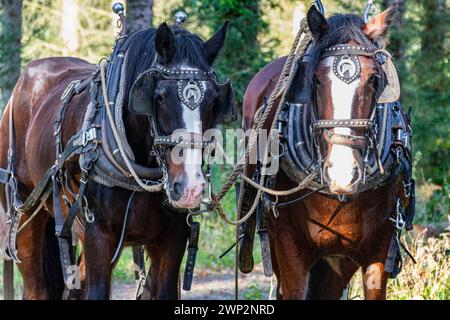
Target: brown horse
[
  {"x": 156, "y": 220},
  {"x": 318, "y": 244}
]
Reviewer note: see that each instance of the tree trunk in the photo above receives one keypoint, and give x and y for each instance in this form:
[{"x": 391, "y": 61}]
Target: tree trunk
[
  {"x": 434, "y": 31},
  {"x": 397, "y": 43},
  {"x": 10, "y": 47},
  {"x": 139, "y": 14},
  {"x": 69, "y": 29}
]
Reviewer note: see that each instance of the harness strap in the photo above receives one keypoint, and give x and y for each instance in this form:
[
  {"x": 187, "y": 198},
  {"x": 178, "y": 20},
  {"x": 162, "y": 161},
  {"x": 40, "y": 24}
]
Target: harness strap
[
  {"x": 391, "y": 265},
  {"x": 189, "y": 140},
  {"x": 262, "y": 228},
  {"x": 4, "y": 176},
  {"x": 191, "y": 255},
  {"x": 63, "y": 227},
  {"x": 72, "y": 148},
  {"x": 343, "y": 123},
  {"x": 63, "y": 242},
  {"x": 139, "y": 271}
]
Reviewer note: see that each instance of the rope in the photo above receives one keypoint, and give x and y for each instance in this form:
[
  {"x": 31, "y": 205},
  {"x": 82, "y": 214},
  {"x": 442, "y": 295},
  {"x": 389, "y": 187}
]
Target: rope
[
  {"x": 302, "y": 185},
  {"x": 236, "y": 265},
  {"x": 153, "y": 188},
  {"x": 285, "y": 79}
]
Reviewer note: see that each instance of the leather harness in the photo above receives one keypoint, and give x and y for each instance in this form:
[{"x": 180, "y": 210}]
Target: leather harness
[
  {"x": 96, "y": 147},
  {"x": 385, "y": 148}
]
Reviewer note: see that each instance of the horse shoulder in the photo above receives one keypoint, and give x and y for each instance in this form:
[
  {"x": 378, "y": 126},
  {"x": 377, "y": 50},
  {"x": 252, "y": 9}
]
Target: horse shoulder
[
  {"x": 41, "y": 76},
  {"x": 39, "y": 89},
  {"x": 262, "y": 84}
]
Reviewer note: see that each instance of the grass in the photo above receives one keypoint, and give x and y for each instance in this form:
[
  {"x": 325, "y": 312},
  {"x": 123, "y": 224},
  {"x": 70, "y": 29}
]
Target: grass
[{"x": 429, "y": 279}]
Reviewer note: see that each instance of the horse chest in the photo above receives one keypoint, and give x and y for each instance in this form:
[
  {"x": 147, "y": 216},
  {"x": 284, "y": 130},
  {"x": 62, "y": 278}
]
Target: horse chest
[{"x": 334, "y": 227}]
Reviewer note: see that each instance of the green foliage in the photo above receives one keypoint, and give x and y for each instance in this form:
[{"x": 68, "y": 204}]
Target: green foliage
[
  {"x": 246, "y": 50},
  {"x": 432, "y": 203},
  {"x": 10, "y": 49},
  {"x": 254, "y": 292},
  {"x": 42, "y": 31},
  {"x": 124, "y": 269},
  {"x": 429, "y": 79}
]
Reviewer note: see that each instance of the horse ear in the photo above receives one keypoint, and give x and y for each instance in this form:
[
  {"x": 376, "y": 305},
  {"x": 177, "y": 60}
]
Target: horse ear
[
  {"x": 376, "y": 29},
  {"x": 317, "y": 23},
  {"x": 165, "y": 43},
  {"x": 215, "y": 43}
]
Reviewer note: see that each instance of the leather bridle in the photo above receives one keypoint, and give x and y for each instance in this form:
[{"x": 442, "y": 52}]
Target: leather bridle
[
  {"x": 189, "y": 139},
  {"x": 185, "y": 139},
  {"x": 363, "y": 142}
]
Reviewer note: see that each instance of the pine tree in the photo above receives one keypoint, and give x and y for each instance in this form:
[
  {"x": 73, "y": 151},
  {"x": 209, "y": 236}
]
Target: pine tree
[
  {"x": 10, "y": 50},
  {"x": 243, "y": 54},
  {"x": 139, "y": 14}
]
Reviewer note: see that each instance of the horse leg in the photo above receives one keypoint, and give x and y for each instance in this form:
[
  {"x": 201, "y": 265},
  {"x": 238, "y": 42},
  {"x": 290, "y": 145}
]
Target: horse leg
[
  {"x": 166, "y": 260},
  {"x": 374, "y": 276},
  {"x": 78, "y": 294},
  {"x": 276, "y": 269},
  {"x": 329, "y": 277},
  {"x": 292, "y": 264},
  {"x": 30, "y": 243},
  {"x": 375, "y": 280},
  {"x": 98, "y": 253}
]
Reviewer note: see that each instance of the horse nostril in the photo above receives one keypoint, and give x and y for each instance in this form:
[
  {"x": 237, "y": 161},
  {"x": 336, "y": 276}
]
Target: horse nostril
[{"x": 177, "y": 190}]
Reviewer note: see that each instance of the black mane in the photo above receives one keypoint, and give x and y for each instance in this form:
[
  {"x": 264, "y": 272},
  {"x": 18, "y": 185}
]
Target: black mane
[
  {"x": 142, "y": 52},
  {"x": 342, "y": 28}
]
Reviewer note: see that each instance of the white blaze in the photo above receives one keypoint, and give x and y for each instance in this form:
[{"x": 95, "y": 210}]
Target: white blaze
[
  {"x": 341, "y": 157},
  {"x": 193, "y": 157}
]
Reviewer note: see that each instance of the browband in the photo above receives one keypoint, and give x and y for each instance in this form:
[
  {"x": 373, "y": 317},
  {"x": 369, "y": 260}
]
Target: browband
[
  {"x": 343, "y": 50},
  {"x": 180, "y": 74}
]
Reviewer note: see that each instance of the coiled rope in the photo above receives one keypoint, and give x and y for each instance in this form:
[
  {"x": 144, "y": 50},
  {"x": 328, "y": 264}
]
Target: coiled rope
[{"x": 284, "y": 81}]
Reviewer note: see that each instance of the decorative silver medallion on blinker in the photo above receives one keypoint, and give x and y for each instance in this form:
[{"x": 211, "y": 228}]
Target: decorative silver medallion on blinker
[
  {"x": 347, "y": 68},
  {"x": 191, "y": 93}
]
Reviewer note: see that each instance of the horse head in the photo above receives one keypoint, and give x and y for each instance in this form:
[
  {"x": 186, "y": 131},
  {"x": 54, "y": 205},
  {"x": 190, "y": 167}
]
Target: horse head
[
  {"x": 181, "y": 96},
  {"x": 348, "y": 77}
]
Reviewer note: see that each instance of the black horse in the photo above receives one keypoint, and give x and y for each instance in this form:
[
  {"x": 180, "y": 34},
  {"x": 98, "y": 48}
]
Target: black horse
[{"x": 160, "y": 62}]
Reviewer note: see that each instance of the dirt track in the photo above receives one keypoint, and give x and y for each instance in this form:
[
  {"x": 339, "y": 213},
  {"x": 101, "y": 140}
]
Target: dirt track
[{"x": 212, "y": 286}]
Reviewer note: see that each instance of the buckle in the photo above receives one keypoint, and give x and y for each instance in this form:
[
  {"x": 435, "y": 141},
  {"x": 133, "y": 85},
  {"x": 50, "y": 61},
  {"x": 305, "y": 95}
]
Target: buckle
[
  {"x": 86, "y": 137},
  {"x": 398, "y": 221},
  {"x": 407, "y": 188},
  {"x": 10, "y": 154}
]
